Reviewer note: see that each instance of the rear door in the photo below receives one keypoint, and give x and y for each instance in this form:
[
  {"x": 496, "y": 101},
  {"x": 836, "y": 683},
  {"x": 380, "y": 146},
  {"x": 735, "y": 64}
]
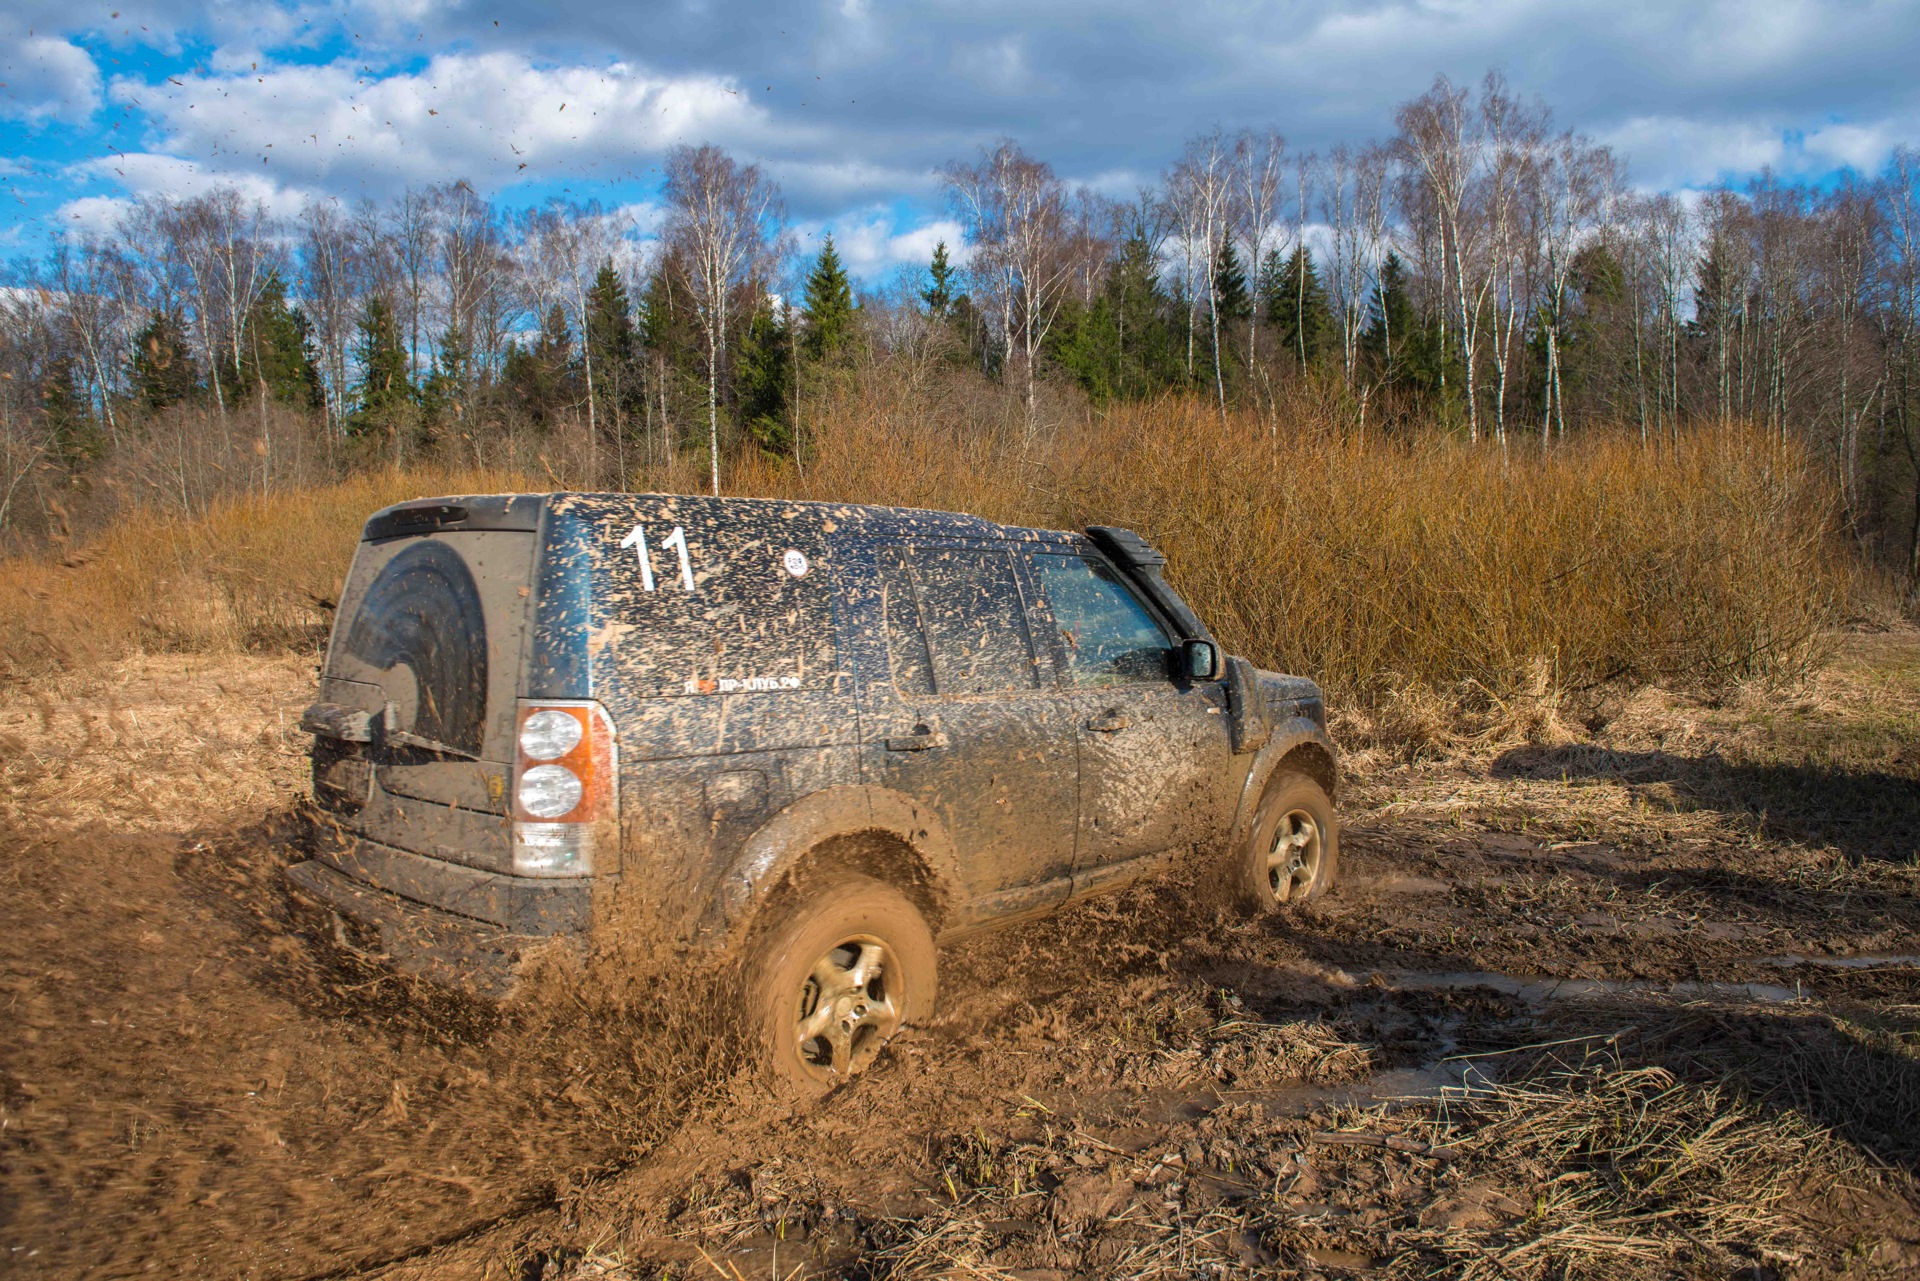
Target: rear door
[
  {"x": 431, "y": 632},
  {"x": 957, "y": 712},
  {"x": 1155, "y": 752}
]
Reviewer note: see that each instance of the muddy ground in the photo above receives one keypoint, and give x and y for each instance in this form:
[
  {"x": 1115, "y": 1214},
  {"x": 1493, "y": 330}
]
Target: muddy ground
[{"x": 1631, "y": 988}]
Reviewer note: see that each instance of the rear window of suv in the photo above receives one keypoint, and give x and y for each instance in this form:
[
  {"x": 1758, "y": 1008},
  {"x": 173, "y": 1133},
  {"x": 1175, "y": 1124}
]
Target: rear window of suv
[{"x": 696, "y": 596}]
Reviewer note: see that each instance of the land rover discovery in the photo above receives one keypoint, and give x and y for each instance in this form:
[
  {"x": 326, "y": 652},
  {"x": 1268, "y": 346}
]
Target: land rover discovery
[{"x": 821, "y": 739}]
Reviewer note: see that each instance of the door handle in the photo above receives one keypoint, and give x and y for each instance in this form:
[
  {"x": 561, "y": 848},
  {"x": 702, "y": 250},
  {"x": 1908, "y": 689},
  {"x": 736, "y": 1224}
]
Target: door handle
[
  {"x": 1108, "y": 723},
  {"x": 919, "y": 741}
]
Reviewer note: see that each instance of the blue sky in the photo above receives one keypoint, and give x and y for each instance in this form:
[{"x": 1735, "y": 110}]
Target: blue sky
[{"x": 852, "y": 105}]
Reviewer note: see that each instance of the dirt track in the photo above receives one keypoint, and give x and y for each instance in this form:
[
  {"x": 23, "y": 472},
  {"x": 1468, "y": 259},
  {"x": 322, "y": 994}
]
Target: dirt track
[{"x": 1121, "y": 1090}]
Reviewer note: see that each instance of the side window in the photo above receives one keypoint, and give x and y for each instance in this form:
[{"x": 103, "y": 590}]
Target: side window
[
  {"x": 1109, "y": 636},
  {"x": 973, "y": 628},
  {"x": 912, "y": 666}
]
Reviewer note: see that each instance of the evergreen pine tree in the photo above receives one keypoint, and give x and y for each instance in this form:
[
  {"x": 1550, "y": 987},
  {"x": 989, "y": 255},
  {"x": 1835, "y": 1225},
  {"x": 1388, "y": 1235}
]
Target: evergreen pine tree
[
  {"x": 613, "y": 342},
  {"x": 163, "y": 373},
  {"x": 1231, "y": 304},
  {"x": 1120, "y": 348},
  {"x": 658, "y": 322},
  {"x": 1085, "y": 343},
  {"x": 443, "y": 395},
  {"x": 540, "y": 378},
  {"x": 1230, "y": 287},
  {"x": 611, "y": 335},
  {"x": 939, "y": 294},
  {"x": 1390, "y": 318},
  {"x": 1297, "y": 309},
  {"x": 1402, "y": 346},
  {"x": 385, "y": 390},
  {"x": 277, "y": 353},
  {"x": 674, "y": 352},
  {"x": 1718, "y": 288},
  {"x": 829, "y": 305},
  {"x": 1266, "y": 284},
  {"x": 73, "y": 437},
  {"x": 1149, "y": 357},
  {"x": 763, "y": 376}
]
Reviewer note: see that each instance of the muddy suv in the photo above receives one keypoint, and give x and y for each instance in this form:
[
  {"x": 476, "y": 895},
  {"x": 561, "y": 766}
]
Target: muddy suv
[{"x": 819, "y": 739}]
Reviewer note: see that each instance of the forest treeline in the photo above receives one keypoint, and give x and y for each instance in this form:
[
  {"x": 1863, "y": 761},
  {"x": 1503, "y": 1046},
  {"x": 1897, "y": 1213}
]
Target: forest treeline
[{"x": 1481, "y": 271}]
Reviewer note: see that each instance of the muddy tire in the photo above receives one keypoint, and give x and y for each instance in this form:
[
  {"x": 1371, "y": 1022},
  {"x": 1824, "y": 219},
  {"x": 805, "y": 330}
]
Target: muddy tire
[
  {"x": 1291, "y": 853},
  {"x": 846, "y": 968}
]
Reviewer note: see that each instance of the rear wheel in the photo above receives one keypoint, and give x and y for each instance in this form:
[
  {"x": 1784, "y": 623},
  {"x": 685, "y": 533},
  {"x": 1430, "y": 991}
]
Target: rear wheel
[
  {"x": 850, "y": 967},
  {"x": 1291, "y": 853}
]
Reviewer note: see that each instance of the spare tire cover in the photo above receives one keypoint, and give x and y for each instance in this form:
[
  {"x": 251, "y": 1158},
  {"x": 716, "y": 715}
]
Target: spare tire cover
[{"x": 423, "y": 612}]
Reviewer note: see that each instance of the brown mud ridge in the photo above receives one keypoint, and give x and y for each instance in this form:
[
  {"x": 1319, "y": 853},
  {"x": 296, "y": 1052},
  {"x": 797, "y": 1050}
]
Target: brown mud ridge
[{"x": 1573, "y": 1012}]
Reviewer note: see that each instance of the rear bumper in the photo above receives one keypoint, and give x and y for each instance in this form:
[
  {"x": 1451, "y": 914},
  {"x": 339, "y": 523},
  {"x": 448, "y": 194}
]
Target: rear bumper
[
  {"x": 477, "y": 957},
  {"x": 515, "y": 904}
]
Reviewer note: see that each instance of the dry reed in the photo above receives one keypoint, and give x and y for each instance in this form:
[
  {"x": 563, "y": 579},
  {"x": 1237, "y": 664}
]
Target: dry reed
[{"x": 1377, "y": 565}]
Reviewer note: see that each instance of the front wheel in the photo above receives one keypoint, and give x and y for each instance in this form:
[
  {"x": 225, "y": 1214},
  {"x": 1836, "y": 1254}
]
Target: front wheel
[
  {"x": 1291, "y": 853},
  {"x": 848, "y": 968}
]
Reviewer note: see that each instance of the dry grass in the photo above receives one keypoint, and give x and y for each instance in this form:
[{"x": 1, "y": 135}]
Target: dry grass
[
  {"x": 1596, "y": 1169},
  {"x": 258, "y": 572},
  {"x": 156, "y": 743},
  {"x": 1632, "y": 1172},
  {"x": 1379, "y": 566}
]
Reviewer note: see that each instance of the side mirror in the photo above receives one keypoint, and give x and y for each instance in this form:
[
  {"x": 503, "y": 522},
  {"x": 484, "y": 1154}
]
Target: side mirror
[{"x": 1200, "y": 660}]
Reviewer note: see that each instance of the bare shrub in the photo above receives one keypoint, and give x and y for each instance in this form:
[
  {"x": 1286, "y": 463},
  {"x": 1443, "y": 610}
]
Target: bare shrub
[{"x": 1383, "y": 567}]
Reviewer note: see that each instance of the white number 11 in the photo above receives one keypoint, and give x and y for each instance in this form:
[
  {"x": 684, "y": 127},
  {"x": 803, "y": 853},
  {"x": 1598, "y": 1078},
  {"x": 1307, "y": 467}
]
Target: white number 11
[{"x": 637, "y": 539}]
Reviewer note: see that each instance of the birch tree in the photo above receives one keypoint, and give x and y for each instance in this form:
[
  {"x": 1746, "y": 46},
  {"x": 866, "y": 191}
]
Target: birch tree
[
  {"x": 1016, "y": 212},
  {"x": 1576, "y": 184},
  {"x": 331, "y": 281},
  {"x": 1201, "y": 187},
  {"x": 1899, "y": 257},
  {"x": 563, "y": 248},
  {"x": 1443, "y": 148},
  {"x": 91, "y": 277},
  {"x": 725, "y": 218},
  {"x": 1258, "y": 158},
  {"x": 1510, "y": 204}
]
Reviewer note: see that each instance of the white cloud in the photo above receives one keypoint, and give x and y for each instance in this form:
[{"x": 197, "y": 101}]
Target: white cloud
[
  {"x": 845, "y": 180},
  {"x": 642, "y": 218},
  {"x": 996, "y": 66},
  {"x": 47, "y": 79},
  {"x": 91, "y": 216},
  {"x": 1672, "y": 152},
  {"x": 149, "y": 174},
  {"x": 237, "y": 59},
  {"x": 854, "y": 105},
  {"x": 1669, "y": 151},
  {"x": 1863, "y": 147},
  {"x": 871, "y": 244},
  {"x": 493, "y": 118}
]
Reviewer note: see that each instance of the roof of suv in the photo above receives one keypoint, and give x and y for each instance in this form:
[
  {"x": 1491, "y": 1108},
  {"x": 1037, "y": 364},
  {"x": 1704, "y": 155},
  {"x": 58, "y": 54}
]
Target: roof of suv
[{"x": 522, "y": 512}]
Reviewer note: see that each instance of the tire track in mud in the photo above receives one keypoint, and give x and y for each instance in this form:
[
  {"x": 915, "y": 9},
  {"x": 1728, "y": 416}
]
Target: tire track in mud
[
  {"x": 1011, "y": 1068},
  {"x": 458, "y": 1237},
  {"x": 395, "y": 1117},
  {"x": 187, "y": 1080}
]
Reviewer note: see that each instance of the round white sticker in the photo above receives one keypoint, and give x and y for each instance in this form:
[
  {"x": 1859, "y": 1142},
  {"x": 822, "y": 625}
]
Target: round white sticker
[{"x": 796, "y": 563}]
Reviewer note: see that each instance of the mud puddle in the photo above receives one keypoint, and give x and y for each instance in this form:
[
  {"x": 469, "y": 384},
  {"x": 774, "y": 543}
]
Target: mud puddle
[
  {"x": 1120, "y": 1091},
  {"x": 184, "y": 1082},
  {"x": 1541, "y": 992},
  {"x": 1870, "y": 962}
]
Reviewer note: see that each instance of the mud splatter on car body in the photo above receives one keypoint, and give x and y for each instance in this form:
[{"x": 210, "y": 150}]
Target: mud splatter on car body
[{"x": 994, "y": 720}]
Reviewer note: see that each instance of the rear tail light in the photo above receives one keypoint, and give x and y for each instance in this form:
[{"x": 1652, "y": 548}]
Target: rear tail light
[{"x": 564, "y": 785}]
